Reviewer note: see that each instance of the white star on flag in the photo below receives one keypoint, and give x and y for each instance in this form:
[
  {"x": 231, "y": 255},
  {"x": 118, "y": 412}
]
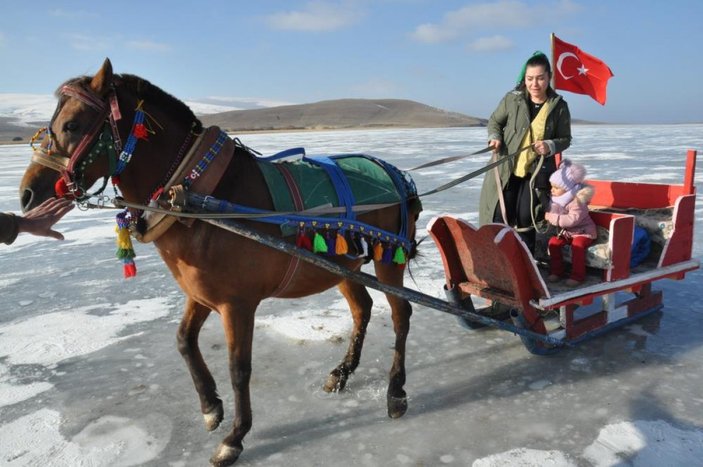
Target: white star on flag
[{"x": 582, "y": 70}]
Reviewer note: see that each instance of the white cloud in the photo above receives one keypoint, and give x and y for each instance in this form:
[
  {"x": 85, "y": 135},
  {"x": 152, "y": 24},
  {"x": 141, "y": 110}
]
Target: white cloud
[
  {"x": 149, "y": 46},
  {"x": 317, "y": 16},
  {"x": 502, "y": 14},
  {"x": 490, "y": 44},
  {"x": 85, "y": 42}
]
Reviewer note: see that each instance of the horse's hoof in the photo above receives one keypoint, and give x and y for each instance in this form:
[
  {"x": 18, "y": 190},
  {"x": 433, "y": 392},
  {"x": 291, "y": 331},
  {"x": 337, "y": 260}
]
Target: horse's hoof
[
  {"x": 225, "y": 455},
  {"x": 214, "y": 417},
  {"x": 397, "y": 406},
  {"x": 335, "y": 382}
]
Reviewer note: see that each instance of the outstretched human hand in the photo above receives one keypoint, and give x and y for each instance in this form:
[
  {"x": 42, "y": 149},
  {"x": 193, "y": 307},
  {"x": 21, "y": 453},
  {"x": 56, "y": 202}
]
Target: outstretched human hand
[{"x": 40, "y": 220}]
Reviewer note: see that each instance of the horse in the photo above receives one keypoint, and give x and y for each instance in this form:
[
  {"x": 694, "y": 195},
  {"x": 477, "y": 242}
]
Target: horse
[{"x": 217, "y": 270}]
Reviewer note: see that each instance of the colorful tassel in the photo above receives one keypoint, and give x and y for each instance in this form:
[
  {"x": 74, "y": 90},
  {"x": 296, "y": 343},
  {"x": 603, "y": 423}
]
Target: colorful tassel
[
  {"x": 399, "y": 256},
  {"x": 125, "y": 250},
  {"x": 331, "y": 244},
  {"x": 303, "y": 241},
  {"x": 378, "y": 251},
  {"x": 318, "y": 244},
  {"x": 129, "y": 268},
  {"x": 340, "y": 246},
  {"x": 387, "y": 257}
]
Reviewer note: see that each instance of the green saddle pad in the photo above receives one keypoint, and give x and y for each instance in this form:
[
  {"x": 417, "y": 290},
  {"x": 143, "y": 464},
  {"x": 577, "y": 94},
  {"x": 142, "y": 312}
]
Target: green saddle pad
[{"x": 369, "y": 182}]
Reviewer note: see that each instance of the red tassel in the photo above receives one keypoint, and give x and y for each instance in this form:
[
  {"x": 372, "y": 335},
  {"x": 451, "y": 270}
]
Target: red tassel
[
  {"x": 130, "y": 270},
  {"x": 303, "y": 241}
]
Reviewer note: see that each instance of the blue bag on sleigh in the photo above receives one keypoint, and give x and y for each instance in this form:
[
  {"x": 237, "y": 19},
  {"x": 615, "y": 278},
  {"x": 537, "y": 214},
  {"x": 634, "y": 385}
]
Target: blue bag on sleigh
[{"x": 641, "y": 246}]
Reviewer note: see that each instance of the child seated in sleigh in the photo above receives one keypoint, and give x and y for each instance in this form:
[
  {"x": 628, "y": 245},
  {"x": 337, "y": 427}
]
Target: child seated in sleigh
[{"x": 568, "y": 212}]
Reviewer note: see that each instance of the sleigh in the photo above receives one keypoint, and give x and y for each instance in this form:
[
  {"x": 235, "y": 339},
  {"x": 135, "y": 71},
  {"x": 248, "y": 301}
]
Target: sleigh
[{"x": 493, "y": 263}]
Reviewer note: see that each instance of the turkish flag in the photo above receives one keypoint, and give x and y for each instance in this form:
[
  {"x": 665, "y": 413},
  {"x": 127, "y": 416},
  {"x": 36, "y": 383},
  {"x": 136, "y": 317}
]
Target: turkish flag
[{"x": 579, "y": 72}]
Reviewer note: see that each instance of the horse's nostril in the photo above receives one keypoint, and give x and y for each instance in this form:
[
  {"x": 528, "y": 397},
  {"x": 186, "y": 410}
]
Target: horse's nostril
[{"x": 26, "y": 199}]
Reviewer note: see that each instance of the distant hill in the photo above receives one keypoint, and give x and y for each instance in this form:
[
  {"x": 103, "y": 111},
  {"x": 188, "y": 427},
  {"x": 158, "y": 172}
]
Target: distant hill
[
  {"x": 12, "y": 129},
  {"x": 341, "y": 114}
]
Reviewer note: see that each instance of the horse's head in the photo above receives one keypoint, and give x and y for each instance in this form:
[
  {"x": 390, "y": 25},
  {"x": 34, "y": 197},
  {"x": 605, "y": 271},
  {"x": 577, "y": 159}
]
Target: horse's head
[
  {"x": 62, "y": 164},
  {"x": 94, "y": 131}
]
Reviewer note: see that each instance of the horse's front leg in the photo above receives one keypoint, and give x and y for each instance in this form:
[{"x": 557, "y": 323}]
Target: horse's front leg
[
  {"x": 400, "y": 312},
  {"x": 238, "y": 323},
  {"x": 360, "y": 304},
  {"x": 194, "y": 316}
]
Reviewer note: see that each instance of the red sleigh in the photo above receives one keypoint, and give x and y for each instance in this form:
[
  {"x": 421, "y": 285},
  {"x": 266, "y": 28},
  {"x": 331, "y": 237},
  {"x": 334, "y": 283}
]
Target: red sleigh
[{"x": 492, "y": 262}]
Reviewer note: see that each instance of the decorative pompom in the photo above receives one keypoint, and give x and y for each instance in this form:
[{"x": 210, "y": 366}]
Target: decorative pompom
[
  {"x": 341, "y": 247},
  {"x": 318, "y": 244},
  {"x": 399, "y": 256},
  {"x": 378, "y": 251},
  {"x": 60, "y": 188},
  {"x": 140, "y": 131}
]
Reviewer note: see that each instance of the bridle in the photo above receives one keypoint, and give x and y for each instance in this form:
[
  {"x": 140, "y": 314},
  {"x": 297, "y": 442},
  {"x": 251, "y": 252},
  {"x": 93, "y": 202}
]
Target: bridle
[{"x": 102, "y": 138}]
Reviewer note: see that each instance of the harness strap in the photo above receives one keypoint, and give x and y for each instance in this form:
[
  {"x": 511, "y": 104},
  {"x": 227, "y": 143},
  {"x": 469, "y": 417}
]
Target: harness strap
[
  {"x": 299, "y": 206},
  {"x": 339, "y": 181}
]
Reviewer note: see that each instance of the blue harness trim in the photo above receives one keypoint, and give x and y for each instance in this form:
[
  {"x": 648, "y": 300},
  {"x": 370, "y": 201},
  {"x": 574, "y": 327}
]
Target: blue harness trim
[
  {"x": 339, "y": 182},
  {"x": 210, "y": 204}
]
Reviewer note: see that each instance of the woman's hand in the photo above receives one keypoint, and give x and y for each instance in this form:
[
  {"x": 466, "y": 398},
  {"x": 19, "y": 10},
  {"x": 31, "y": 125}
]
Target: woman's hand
[
  {"x": 495, "y": 144},
  {"x": 40, "y": 220},
  {"x": 541, "y": 148}
]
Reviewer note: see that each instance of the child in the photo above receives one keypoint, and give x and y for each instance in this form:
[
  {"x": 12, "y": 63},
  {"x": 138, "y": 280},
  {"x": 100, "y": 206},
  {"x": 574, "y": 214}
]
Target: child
[{"x": 569, "y": 213}]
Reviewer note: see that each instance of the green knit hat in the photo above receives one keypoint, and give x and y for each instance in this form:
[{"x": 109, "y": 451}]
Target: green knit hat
[{"x": 521, "y": 76}]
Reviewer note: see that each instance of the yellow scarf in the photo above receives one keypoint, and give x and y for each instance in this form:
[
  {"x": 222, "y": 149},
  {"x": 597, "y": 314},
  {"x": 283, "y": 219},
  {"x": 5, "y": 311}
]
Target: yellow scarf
[{"x": 536, "y": 133}]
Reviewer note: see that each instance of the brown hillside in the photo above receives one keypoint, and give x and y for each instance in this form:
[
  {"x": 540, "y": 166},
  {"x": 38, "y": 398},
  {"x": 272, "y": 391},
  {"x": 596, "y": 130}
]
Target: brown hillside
[{"x": 341, "y": 114}]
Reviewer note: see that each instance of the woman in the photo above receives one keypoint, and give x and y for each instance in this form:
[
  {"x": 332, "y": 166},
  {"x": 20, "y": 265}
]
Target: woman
[{"x": 533, "y": 116}]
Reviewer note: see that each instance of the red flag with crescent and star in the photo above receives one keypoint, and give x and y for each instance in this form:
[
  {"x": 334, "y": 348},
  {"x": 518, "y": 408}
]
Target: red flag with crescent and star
[{"x": 579, "y": 72}]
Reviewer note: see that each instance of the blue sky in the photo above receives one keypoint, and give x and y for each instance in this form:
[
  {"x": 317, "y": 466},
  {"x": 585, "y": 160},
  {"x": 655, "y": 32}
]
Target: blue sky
[{"x": 457, "y": 55}]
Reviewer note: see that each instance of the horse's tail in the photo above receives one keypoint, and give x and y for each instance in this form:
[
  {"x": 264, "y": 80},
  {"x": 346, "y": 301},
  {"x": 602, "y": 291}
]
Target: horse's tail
[{"x": 414, "y": 209}]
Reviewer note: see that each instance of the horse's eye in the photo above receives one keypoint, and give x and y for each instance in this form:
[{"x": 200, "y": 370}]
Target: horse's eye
[{"x": 71, "y": 126}]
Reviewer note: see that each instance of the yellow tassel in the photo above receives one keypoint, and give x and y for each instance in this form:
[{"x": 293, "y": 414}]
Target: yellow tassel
[
  {"x": 340, "y": 246},
  {"x": 123, "y": 239}
]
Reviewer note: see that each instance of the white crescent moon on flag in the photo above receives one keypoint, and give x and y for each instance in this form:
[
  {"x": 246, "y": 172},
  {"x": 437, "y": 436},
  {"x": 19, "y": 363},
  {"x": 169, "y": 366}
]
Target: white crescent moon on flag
[{"x": 560, "y": 61}]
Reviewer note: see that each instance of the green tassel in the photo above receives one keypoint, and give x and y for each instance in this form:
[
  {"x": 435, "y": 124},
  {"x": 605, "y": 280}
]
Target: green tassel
[
  {"x": 399, "y": 256},
  {"x": 318, "y": 244}
]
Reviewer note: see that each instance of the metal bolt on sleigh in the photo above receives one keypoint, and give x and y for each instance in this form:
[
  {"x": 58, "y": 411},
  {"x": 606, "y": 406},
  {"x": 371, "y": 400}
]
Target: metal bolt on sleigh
[{"x": 301, "y": 227}]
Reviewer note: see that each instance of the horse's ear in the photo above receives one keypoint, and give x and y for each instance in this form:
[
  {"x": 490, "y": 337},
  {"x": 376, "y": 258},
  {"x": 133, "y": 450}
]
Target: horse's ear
[{"x": 103, "y": 79}]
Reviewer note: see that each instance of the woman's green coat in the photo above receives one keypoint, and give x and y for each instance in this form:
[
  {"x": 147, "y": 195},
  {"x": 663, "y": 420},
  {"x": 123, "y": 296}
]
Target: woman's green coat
[{"x": 509, "y": 123}]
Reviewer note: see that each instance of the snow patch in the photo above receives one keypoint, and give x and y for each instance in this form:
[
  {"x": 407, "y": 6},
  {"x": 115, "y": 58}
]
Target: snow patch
[
  {"x": 47, "y": 339},
  {"x": 35, "y": 439}
]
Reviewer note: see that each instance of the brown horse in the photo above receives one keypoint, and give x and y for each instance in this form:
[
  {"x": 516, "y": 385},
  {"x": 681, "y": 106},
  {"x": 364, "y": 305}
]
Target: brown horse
[{"x": 217, "y": 270}]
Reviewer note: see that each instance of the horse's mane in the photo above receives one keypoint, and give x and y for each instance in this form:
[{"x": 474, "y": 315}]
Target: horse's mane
[{"x": 144, "y": 90}]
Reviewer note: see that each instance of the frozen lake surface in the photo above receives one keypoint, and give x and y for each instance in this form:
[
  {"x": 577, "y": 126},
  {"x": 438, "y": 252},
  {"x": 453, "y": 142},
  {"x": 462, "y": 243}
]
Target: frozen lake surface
[{"x": 90, "y": 374}]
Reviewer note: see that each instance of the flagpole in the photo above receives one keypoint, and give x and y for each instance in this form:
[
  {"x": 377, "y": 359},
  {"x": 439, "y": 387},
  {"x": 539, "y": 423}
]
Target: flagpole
[{"x": 554, "y": 63}]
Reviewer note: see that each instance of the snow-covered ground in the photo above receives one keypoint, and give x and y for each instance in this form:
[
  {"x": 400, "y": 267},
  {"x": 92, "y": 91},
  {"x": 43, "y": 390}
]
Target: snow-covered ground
[{"x": 90, "y": 374}]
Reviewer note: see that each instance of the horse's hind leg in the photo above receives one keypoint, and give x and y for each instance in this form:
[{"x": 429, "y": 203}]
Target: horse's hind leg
[
  {"x": 401, "y": 310},
  {"x": 360, "y": 303},
  {"x": 194, "y": 316}
]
